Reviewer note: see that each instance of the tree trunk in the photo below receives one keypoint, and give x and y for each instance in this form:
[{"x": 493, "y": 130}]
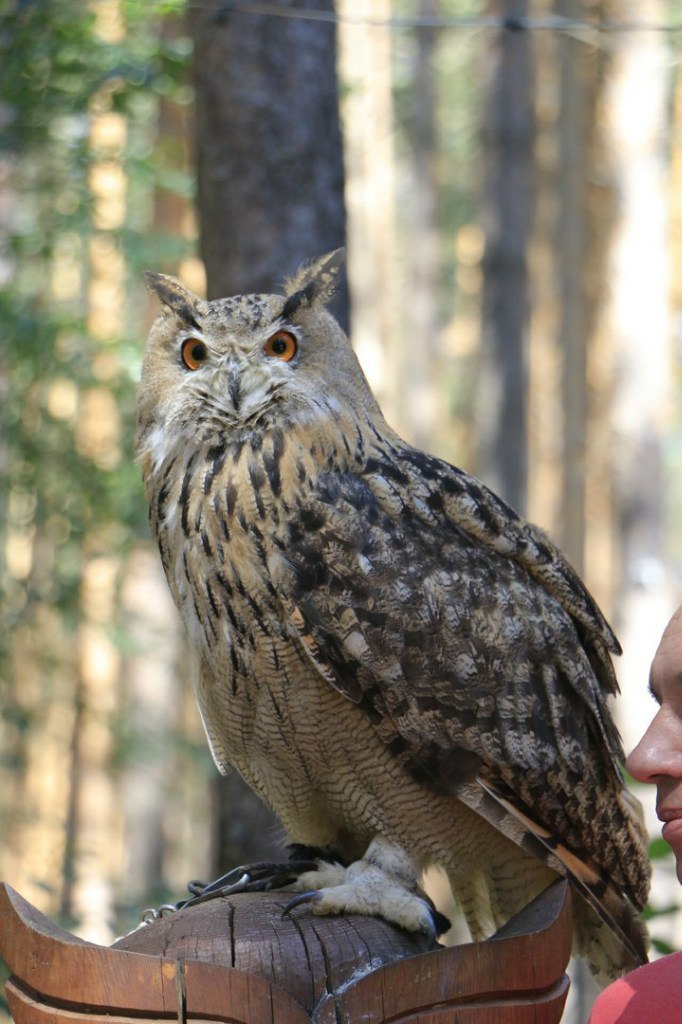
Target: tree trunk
[
  {"x": 420, "y": 396},
  {"x": 638, "y": 320},
  {"x": 508, "y": 145},
  {"x": 270, "y": 195},
  {"x": 571, "y": 245},
  {"x": 369, "y": 139},
  {"x": 268, "y": 144}
]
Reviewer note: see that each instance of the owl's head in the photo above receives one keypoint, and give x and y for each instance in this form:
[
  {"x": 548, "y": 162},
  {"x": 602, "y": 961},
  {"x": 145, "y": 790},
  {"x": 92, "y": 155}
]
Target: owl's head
[{"x": 223, "y": 368}]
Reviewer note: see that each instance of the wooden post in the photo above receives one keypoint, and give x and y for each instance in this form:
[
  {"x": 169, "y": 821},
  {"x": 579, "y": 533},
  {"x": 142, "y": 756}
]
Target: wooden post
[{"x": 236, "y": 960}]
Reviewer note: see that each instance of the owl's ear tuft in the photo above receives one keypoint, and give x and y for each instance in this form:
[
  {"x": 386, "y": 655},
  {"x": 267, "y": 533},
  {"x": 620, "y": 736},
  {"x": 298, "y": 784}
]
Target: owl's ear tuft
[
  {"x": 174, "y": 296},
  {"x": 315, "y": 281}
]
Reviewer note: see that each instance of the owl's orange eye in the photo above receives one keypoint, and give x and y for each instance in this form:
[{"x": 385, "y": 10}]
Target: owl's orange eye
[
  {"x": 281, "y": 345},
  {"x": 193, "y": 353}
]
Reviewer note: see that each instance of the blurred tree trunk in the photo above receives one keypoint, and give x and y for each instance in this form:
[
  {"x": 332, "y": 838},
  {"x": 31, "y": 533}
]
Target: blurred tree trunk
[
  {"x": 268, "y": 144},
  {"x": 93, "y": 826},
  {"x": 674, "y": 480},
  {"x": 418, "y": 378},
  {"x": 571, "y": 454},
  {"x": 151, "y": 795},
  {"x": 270, "y": 195},
  {"x": 584, "y": 234},
  {"x": 545, "y": 442},
  {"x": 571, "y": 248},
  {"x": 508, "y": 152},
  {"x": 639, "y": 296},
  {"x": 638, "y": 321},
  {"x": 369, "y": 139},
  {"x": 151, "y": 685}
]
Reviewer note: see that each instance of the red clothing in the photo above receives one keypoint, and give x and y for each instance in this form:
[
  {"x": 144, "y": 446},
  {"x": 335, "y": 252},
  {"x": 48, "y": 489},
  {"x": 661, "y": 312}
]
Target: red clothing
[{"x": 649, "y": 995}]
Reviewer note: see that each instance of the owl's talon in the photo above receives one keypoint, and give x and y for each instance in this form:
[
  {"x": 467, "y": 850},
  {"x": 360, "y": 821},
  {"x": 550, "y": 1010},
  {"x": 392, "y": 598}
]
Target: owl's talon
[
  {"x": 441, "y": 923},
  {"x": 260, "y": 877},
  {"x": 312, "y": 896}
]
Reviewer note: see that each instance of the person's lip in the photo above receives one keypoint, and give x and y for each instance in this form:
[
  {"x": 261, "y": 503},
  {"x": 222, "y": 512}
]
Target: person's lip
[
  {"x": 672, "y": 823},
  {"x": 666, "y": 814}
]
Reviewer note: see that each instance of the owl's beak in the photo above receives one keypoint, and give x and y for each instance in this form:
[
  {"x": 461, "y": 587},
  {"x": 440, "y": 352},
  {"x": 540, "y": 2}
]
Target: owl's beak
[{"x": 234, "y": 383}]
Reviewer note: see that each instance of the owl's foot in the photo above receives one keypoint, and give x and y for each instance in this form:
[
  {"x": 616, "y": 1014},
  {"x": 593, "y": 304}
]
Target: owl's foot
[{"x": 382, "y": 884}]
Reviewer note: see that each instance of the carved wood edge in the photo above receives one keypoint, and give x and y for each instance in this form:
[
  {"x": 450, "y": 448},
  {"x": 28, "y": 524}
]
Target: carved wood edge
[
  {"x": 60, "y": 979},
  {"x": 56, "y": 975},
  {"x": 521, "y": 966}
]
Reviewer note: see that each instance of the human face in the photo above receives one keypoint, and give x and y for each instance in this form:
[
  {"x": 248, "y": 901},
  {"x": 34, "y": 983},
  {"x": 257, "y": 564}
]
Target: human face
[{"x": 657, "y": 758}]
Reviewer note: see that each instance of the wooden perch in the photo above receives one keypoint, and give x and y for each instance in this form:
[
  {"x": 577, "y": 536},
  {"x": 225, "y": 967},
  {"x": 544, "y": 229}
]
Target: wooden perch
[{"x": 236, "y": 960}]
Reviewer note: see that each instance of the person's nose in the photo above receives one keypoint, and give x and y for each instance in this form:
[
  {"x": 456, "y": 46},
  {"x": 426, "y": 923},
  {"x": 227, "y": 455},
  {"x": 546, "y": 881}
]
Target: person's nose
[{"x": 659, "y": 752}]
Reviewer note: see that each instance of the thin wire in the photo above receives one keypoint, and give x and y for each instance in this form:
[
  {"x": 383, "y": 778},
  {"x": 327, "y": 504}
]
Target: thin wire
[{"x": 551, "y": 23}]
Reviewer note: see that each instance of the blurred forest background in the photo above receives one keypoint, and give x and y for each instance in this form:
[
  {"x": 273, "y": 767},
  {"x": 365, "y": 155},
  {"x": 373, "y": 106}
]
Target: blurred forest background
[{"x": 508, "y": 179}]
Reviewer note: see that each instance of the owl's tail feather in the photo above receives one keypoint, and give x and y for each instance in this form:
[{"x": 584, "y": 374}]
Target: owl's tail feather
[{"x": 606, "y": 905}]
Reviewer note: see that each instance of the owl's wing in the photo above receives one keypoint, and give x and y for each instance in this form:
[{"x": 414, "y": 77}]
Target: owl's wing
[{"x": 472, "y": 646}]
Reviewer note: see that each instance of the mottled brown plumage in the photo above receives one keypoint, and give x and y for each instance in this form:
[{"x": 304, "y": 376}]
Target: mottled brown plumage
[{"x": 387, "y": 653}]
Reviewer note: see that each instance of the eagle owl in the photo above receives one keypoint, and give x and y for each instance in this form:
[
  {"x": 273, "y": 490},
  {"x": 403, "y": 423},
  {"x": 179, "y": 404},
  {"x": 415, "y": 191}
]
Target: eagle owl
[{"x": 405, "y": 671}]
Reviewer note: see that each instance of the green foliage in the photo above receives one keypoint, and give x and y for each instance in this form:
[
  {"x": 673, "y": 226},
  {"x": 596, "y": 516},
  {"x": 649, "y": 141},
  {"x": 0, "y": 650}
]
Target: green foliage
[
  {"x": 59, "y": 72},
  {"x": 659, "y": 849},
  {"x": 662, "y": 947}
]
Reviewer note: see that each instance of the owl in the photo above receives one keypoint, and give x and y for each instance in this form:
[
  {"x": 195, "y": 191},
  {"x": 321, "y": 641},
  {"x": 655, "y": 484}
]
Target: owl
[{"x": 403, "y": 669}]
